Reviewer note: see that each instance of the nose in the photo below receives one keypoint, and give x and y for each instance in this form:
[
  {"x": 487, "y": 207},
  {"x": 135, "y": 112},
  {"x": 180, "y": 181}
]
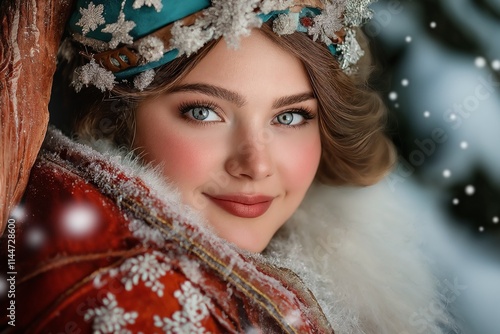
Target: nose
[{"x": 250, "y": 157}]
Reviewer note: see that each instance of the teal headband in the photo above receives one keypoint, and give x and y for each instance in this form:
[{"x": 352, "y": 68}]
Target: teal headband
[{"x": 131, "y": 37}]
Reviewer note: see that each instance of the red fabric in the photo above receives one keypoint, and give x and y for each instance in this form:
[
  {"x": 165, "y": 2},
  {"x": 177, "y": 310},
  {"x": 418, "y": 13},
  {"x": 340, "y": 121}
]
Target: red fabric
[{"x": 66, "y": 281}]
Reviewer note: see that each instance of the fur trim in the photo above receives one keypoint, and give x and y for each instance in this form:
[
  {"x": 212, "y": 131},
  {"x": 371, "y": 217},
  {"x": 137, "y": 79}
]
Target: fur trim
[
  {"x": 358, "y": 250},
  {"x": 355, "y": 248}
]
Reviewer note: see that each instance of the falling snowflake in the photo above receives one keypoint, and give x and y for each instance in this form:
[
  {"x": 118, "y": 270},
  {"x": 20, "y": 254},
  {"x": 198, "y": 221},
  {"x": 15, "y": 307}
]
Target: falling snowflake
[
  {"x": 480, "y": 62},
  {"x": 94, "y": 74},
  {"x": 120, "y": 31},
  {"x": 146, "y": 268},
  {"x": 155, "y": 3},
  {"x": 351, "y": 51},
  {"x": 393, "y": 96},
  {"x": 194, "y": 309},
  {"x": 327, "y": 23},
  {"x": 470, "y": 190},
  {"x": 110, "y": 318},
  {"x": 91, "y": 18},
  {"x": 357, "y": 12}
]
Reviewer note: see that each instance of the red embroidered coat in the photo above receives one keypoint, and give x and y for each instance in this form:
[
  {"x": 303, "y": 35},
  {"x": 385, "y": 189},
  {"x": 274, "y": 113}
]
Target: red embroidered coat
[{"x": 98, "y": 250}]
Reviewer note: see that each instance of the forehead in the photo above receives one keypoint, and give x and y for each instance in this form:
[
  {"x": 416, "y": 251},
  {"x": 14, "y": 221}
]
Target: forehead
[{"x": 257, "y": 62}]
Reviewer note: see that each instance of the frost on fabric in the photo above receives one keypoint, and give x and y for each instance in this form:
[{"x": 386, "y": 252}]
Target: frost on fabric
[{"x": 145, "y": 233}]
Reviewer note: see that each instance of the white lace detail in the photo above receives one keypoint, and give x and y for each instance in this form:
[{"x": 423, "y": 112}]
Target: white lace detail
[
  {"x": 194, "y": 309},
  {"x": 110, "y": 318}
]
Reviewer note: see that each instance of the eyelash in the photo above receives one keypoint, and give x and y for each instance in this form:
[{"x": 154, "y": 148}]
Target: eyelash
[
  {"x": 185, "y": 107},
  {"x": 304, "y": 112}
]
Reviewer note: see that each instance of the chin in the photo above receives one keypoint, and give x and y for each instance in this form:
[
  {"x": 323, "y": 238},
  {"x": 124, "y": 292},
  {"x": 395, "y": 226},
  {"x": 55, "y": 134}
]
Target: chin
[{"x": 253, "y": 245}]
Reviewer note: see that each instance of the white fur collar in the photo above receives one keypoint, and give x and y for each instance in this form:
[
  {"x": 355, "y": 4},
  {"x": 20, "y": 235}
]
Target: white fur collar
[{"x": 355, "y": 249}]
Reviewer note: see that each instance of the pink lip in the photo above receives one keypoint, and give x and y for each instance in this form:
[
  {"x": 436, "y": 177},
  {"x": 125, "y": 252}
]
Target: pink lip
[{"x": 242, "y": 205}]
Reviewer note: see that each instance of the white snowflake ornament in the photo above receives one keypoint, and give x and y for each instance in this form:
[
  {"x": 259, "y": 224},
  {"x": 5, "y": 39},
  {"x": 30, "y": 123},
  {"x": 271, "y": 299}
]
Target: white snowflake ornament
[
  {"x": 357, "y": 12},
  {"x": 93, "y": 73},
  {"x": 91, "y": 18},
  {"x": 120, "y": 31},
  {"x": 351, "y": 51},
  {"x": 327, "y": 23}
]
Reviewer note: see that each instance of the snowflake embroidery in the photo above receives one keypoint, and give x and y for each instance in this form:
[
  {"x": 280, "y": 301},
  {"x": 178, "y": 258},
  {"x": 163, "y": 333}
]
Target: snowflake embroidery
[
  {"x": 357, "y": 12},
  {"x": 155, "y": 3},
  {"x": 110, "y": 318},
  {"x": 146, "y": 268},
  {"x": 92, "y": 73},
  {"x": 194, "y": 309},
  {"x": 351, "y": 51},
  {"x": 120, "y": 30},
  {"x": 91, "y": 18}
]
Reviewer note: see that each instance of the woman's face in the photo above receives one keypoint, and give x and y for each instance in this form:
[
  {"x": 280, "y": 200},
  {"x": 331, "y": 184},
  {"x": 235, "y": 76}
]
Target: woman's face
[{"x": 239, "y": 137}]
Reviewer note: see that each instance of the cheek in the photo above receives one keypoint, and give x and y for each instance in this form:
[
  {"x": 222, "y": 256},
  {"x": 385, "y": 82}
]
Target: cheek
[
  {"x": 184, "y": 159},
  {"x": 301, "y": 163}
]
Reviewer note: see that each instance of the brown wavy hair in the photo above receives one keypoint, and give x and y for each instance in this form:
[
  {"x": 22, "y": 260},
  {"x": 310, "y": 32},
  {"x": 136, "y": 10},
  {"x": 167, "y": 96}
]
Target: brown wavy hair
[{"x": 352, "y": 116}]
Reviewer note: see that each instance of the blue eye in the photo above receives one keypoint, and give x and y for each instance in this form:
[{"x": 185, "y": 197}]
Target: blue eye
[
  {"x": 293, "y": 118},
  {"x": 200, "y": 113}
]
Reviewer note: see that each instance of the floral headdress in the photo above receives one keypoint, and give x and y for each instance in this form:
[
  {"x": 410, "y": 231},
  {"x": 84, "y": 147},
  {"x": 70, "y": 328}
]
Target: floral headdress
[{"x": 132, "y": 37}]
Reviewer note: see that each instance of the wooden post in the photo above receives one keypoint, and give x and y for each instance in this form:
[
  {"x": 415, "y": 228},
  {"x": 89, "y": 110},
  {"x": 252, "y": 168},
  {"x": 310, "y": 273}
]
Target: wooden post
[{"x": 30, "y": 34}]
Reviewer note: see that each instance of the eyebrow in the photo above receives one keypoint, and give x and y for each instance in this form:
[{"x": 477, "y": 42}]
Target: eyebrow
[
  {"x": 212, "y": 90},
  {"x": 236, "y": 98}
]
